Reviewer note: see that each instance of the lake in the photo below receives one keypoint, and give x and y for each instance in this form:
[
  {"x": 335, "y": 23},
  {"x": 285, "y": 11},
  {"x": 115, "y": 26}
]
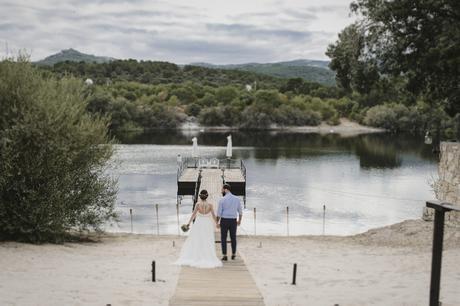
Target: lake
[{"x": 363, "y": 181}]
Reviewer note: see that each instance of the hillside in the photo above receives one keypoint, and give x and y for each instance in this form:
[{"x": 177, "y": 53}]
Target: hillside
[
  {"x": 73, "y": 55},
  {"x": 154, "y": 72},
  {"x": 310, "y": 70}
]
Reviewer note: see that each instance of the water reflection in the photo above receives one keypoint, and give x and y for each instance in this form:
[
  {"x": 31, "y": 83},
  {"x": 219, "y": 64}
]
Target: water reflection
[{"x": 382, "y": 150}]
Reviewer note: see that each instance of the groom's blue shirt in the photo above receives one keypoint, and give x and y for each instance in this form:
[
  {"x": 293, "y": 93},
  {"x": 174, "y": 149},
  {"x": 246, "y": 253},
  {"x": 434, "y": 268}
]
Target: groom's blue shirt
[{"x": 229, "y": 207}]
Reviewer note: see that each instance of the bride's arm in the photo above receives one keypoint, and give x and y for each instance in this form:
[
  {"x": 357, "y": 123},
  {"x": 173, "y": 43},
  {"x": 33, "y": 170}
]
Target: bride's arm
[
  {"x": 213, "y": 214},
  {"x": 193, "y": 214}
]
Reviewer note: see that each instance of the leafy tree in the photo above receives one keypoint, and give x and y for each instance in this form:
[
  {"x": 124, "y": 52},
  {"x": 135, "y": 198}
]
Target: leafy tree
[
  {"x": 53, "y": 155},
  {"x": 355, "y": 69},
  {"x": 267, "y": 100},
  {"x": 417, "y": 39}
]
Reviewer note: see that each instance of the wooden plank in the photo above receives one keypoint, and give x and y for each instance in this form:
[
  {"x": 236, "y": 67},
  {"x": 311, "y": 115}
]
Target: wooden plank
[
  {"x": 229, "y": 285},
  {"x": 234, "y": 175},
  {"x": 211, "y": 180},
  {"x": 189, "y": 175}
]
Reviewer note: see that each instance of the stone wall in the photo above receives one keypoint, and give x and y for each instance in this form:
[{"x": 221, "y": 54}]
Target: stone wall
[{"x": 447, "y": 187}]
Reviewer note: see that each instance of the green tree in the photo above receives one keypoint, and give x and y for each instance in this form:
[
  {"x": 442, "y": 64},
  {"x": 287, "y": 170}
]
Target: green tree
[
  {"x": 53, "y": 157},
  {"x": 417, "y": 39}
]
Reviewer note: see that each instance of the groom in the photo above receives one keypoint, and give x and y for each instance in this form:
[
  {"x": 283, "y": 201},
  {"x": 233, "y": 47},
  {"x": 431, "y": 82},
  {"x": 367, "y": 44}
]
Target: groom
[{"x": 227, "y": 213}]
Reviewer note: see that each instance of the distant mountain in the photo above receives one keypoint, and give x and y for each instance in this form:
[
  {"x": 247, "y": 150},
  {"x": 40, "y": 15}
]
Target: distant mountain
[
  {"x": 73, "y": 55},
  {"x": 310, "y": 70}
]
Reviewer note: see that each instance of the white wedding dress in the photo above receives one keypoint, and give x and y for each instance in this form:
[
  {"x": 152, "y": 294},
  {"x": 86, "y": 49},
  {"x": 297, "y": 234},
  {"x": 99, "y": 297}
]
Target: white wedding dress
[{"x": 199, "y": 248}]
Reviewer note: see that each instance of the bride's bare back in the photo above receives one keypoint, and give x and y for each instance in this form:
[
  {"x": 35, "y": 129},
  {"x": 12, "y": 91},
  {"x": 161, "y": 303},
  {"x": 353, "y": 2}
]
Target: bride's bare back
[{"x": 204, "y": 208}]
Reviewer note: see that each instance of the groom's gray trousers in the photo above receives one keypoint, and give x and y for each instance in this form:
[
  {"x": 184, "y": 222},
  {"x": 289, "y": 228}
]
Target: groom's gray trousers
[{"x": 228, "y": 225}]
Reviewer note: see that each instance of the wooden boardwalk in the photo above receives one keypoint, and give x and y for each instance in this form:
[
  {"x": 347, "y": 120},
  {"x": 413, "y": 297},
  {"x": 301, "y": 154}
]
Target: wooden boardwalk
[{"x": 230, "y": 285}]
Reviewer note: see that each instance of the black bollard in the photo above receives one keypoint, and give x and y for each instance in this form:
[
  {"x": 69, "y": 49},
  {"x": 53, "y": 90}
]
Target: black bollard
[
  {"x": 294, "y": 274},
  {"x": 153, "y": 271}
]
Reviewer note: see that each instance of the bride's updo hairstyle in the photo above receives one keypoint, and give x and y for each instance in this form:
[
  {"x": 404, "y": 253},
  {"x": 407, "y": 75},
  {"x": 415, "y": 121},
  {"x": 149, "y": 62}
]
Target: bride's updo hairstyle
[{"x": 204, "y": 194}]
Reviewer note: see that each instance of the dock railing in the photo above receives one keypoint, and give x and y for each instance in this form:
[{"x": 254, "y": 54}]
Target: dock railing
[{"x": 190, "y": 162}]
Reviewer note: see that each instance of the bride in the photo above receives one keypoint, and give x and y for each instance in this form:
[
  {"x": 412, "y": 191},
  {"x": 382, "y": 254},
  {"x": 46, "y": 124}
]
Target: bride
[{"x": 199, "y": 248}]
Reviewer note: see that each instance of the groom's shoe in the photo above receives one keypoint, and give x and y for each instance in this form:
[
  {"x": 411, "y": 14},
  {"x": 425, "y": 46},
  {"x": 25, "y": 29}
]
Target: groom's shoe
[
  {"x": 225, "y": 258},
  {"x": 233, "y": 257}
]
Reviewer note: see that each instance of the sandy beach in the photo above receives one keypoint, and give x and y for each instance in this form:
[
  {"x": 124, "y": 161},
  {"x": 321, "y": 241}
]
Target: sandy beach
[{"x": 386, "y": 266}]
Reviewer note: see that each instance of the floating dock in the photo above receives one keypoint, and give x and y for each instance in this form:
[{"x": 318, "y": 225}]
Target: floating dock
[{"x": 196, "y": 174}]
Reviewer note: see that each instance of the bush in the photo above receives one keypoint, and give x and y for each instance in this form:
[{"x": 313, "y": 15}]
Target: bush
[
  {"x": 252, "y": 118},
  {"x": 288, "y": 115},
  {"x": 193, "y": 109},
  {"x": 394, "y": 117},
  {"x": 212, "y": 116},
  {"x": 53, "y": 155}
]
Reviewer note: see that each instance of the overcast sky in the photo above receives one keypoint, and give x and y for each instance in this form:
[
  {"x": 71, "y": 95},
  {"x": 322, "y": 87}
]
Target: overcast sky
[{"x": 214, "y": 31}]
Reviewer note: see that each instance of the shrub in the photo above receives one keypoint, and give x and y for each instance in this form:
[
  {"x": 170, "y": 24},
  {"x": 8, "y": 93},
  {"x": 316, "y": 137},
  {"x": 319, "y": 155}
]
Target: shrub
[
  {"x": 193, "y": 109},
  {"x": 53, "y": 155},
  {"x": 211, "y": 116},
  {"x": 252, "y": 118},
  {"x": 288, "y": 115},
  {"x": 394, "y": 117}
]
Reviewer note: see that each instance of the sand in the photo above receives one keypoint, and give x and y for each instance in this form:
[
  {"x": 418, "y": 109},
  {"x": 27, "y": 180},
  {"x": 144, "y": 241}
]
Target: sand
[
  {"x": 386, "y": 266},
  {"x": 116, "y": 271},
  {"x": 376, "y": 268}
]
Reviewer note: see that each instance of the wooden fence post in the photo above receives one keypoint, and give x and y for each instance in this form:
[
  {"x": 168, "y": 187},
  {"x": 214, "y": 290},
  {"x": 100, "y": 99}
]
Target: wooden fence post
[
  {"x": 324, "y": 219},
  {"x": 158, "y": 221},
  {"x": 287, "y": 220},
  {"x": 255, "y": 229},
  {"x": 131, "y": 217}
]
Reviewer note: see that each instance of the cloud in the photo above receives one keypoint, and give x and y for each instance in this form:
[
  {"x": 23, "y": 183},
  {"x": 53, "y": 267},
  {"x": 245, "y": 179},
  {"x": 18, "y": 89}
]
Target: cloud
[
  {"x": 176, "y": 31},
  {"x": 251, "y": 31}
]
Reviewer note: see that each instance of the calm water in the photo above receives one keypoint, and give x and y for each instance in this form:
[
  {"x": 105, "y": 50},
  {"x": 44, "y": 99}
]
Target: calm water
[{"x": 364, "y": 181}]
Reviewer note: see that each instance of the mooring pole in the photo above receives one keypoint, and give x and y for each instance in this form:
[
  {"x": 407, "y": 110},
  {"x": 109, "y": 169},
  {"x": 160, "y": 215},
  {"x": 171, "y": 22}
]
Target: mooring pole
[
  {"x": 255, "y": 232},
  {"x": 294, "y": 274},
  {"x": 131, "y": 217},
  {"x": 153, "y": 272},
  {"x": 158, "y": 222},
  {"x": 324, "y": 219},
  {"x": 287, "y": 220}
]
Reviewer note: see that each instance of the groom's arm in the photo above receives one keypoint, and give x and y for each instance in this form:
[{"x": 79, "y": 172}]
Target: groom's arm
[
  {"x": 240, "y": 213},
  {"x": 219, "y": 212}
]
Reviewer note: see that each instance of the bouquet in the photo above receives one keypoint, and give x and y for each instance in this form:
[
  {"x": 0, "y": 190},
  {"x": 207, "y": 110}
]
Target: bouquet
[{"x": 185, "y": 227}]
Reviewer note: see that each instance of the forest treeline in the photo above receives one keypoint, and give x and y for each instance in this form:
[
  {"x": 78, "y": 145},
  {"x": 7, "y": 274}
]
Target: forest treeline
[{"x": 143, "y": 95}]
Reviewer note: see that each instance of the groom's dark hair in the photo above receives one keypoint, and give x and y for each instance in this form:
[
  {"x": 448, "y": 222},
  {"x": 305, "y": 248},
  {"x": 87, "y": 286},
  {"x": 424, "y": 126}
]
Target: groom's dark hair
[{"x": 227, "y": 186}]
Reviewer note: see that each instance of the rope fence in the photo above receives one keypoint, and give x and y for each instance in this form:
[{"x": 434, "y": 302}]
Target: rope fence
[{"x": 165, "y": 220}]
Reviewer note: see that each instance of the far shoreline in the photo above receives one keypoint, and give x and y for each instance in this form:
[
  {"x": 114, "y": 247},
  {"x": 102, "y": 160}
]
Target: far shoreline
[{"x": 344, "y": 128}]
